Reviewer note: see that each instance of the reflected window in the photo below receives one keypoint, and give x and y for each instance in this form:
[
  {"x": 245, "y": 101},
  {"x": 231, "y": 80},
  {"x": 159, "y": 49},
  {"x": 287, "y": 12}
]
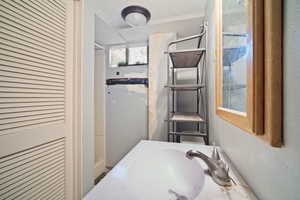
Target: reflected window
[
  {"x": 122, "y": 56},
  {"x": 235, "y": 54},
  {"x": 138, "y": 55},
  {"x": 117, "y": 56}
]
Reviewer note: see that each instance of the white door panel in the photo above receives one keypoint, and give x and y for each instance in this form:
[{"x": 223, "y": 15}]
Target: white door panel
[{"x": 35, "y": 98}]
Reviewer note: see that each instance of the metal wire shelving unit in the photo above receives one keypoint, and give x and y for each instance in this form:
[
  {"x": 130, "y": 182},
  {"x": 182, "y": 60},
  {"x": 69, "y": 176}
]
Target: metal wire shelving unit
[{"x": 188, "y": 59}]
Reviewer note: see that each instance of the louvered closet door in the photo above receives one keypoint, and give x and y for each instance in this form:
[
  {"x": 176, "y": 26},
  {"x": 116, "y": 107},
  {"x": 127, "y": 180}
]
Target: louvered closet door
[{"x": 34, "y": 118}]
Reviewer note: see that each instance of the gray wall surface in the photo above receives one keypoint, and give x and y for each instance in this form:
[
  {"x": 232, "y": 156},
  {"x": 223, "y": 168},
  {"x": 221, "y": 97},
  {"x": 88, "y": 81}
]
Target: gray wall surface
[
  {"x": 273, "y": 173},
  {"x": 88, "y": 10},
  {"x": 158, "y": 74},
  {"x": 88, "y": 154}
]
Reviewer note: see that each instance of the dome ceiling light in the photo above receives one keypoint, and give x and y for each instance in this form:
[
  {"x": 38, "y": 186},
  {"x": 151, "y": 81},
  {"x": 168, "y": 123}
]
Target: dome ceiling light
[{"x": 136, "y": 15}]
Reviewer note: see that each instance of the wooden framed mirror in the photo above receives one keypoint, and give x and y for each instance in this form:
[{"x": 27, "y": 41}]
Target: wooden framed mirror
[{"x": 249, "y": 66}]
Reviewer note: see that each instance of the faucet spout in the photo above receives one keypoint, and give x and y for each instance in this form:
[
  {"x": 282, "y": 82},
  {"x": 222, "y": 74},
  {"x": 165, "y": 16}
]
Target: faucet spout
[
  {"x": 217, "y": 168},
  {"x": 208, "y": 161}
]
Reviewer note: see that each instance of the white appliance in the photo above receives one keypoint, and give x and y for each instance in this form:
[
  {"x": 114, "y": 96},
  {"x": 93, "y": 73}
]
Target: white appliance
[{"x": 126, "y": 116}]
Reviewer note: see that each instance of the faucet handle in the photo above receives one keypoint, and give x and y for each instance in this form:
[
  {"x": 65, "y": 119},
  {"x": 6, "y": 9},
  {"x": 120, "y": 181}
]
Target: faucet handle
[
  {"x": 227, "y": 169},
  {"x": 215, "y": 154}
]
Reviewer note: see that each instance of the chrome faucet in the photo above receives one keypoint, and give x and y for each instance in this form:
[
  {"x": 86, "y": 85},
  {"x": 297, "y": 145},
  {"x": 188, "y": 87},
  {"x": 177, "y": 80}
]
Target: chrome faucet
[{"x": 217, "y": 169}]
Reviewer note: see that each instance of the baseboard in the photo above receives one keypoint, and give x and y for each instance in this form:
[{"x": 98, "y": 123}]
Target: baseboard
[{"x": 99, "y": 168}]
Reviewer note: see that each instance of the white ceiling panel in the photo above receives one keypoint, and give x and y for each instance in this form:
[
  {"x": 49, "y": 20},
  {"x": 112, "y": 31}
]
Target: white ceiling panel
[
  {"x": 183, "y": 28},
  {"x": 181, "y": 16},
  {"x": 161, "y": 10},
  {"x": 105, "y": 34}
]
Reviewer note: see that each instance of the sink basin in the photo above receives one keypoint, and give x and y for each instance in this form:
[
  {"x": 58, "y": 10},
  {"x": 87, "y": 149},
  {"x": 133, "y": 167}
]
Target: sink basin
[
  {"x": 155, "y": 170},
  {"x": 166, "y": 174}
]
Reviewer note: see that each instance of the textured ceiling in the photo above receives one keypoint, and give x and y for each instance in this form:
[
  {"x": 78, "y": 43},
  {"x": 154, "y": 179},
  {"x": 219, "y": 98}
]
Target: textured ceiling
[{"x": 181, "y": 16}]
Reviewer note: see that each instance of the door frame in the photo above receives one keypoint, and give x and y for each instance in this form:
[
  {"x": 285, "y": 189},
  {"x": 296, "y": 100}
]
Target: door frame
[{"x": 75, "y": 142}]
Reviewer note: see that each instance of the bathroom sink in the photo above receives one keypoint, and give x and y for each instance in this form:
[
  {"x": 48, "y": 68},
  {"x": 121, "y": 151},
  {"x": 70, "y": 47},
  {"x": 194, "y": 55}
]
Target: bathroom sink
[
  {"x": 166, "y": 174},
  {"x": 160, "y": 171}
]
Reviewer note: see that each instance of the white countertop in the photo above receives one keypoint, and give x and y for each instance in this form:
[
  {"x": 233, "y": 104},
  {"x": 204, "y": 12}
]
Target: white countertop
[{"x": 119, "y": 183}]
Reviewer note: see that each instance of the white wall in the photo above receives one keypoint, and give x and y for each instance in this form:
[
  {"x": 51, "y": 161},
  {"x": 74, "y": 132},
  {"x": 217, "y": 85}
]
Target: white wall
[
  {"x": 99, "y": 112},
  {"x": 157, "y": 93},
  {"x": 273, "y": 173},
  {"x": 88, "y": 36}
]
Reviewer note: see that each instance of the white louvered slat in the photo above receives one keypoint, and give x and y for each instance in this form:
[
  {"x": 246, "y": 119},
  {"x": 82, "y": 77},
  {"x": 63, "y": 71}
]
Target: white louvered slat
[
  {"x": 30, "y": 95},
  {"x": 18, "y": 8},
  {"x": 31, "y": 90},
  {"x": 7, "y": 19},
  {"x": 7, "y": 97},
  {"x": 8, "y": 101},
  {"x": 19, "y": 53},
  {"x": 16, "y": 24},
  {"x": 31, "y": 76},
  {"x": 24, "y": 115},
  {"x": 14, "y": 31},
  {"x": 35, "y": 184},
  {"x": 28, "y": 80},
  {"x": 30, "y": 55},
  {"x": 9, "y": 35},
  {"x": 50, "y": 6},
  {"x": 55, "y": 192},
  {"x": 29, "y": 108},
  {"x": 18, "y": 60},
  {"x": 40, "y": 8},
  {"x": 31, "y": 86},
  {"x": 31, "y": 69},
  {"x": 31, "y": 72},
  {"x": 34, "y": 193},
  {"x": 36, "y": 174},
  {"x": 29, "y": 10},
  {"x": 30, "y": 23},
  {"x": 10, "y": 123},
  {"x": 13, "y": 175},
  {"x": 30, "y": 105},
  {"x": 9, "y": 128},
  {"x": 33, "y": 172},
  {"x": 14, "y": 45},
  {"x": 60, "y": 4}
]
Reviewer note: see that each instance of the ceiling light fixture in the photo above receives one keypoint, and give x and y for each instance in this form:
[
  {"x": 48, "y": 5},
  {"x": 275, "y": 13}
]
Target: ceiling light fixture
[{"x": 136, "y": 15}]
